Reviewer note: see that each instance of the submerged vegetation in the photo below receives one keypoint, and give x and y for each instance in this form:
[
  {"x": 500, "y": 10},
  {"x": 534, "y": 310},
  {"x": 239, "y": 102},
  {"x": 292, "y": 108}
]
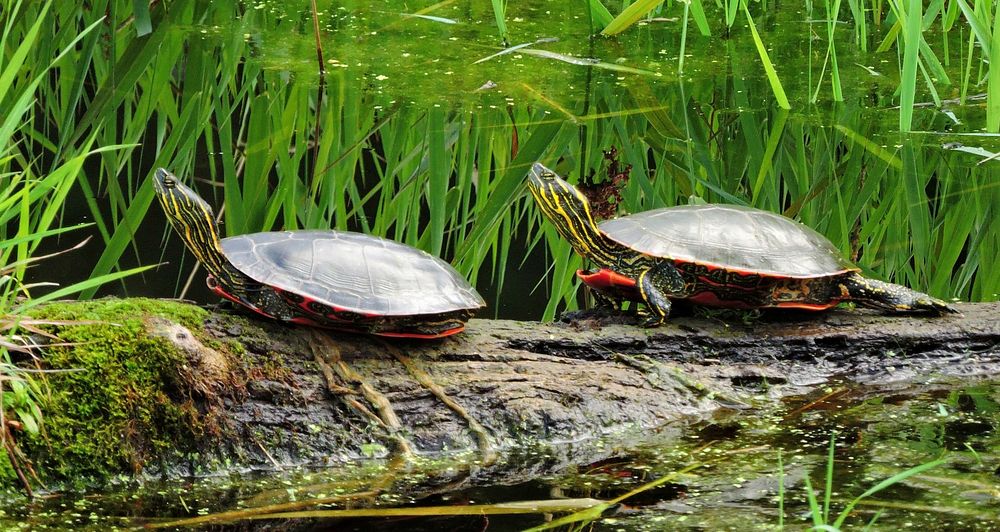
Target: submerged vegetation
[{"x": 874, "y": 122}]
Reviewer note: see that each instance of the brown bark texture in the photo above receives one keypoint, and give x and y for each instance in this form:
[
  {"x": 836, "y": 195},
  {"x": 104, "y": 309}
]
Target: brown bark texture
[{"x": 503, "y": 385}]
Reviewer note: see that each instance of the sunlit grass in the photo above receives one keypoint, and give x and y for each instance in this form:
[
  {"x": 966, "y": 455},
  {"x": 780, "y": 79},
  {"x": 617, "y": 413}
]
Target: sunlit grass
[{"x": 449, "y": 180}]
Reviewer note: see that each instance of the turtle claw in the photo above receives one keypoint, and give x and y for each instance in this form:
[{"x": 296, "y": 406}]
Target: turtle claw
[{"x": 653, "y": 321}]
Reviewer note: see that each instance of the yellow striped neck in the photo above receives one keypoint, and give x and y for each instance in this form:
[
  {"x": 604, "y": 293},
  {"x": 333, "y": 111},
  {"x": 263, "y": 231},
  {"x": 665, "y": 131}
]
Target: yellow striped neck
[
  {"x": 569, "y": 211},
  {"x": 194, "y": 222}
]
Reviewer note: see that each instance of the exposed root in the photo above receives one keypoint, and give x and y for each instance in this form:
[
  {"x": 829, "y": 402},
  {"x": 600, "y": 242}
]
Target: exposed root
[
  {"x": 17, "y": 459},
  {"x": 647, "y": 367},
  {"x": 327, "y": 354},
  {"x": 343, "y": 391},
  {"x": 425, "y": 380}
]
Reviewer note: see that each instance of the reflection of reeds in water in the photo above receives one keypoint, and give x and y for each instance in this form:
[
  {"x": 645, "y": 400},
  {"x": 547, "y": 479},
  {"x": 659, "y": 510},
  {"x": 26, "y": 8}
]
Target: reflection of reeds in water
[{"x": 446, "y": 173}]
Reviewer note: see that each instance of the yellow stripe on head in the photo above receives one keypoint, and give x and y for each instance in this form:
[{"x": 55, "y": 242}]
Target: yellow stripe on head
[
  {"x": 569, "y": 211},
  {"x": 192, "y": 218}
]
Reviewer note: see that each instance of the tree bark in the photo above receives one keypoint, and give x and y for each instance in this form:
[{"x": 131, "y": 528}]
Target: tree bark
[
  {"x": 502, "y": 384},
  {"x": 297, "y": 395}
]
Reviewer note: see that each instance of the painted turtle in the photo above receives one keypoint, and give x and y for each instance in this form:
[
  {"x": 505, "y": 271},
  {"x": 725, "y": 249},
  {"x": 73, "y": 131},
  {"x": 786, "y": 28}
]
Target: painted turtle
[
  {"x": 716, "y": 255},
  {"x": 333, "y": 279}
]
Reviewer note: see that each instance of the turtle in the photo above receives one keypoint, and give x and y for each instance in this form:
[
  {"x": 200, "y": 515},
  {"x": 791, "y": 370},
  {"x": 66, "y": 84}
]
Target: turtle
[
  {"x": 717, "y": 255},
  {"x": 323, "y": 278}
]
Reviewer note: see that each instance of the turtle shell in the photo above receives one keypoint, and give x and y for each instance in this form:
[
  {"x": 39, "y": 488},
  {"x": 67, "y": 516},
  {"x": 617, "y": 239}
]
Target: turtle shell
[
  {"x": 730, "y": 237},
  {"x": 352, "y": 271}
]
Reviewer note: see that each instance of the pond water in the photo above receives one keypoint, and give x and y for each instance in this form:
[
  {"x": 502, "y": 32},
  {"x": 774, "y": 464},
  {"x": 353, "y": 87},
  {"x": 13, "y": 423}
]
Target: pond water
[
  {"x": 427, "y": 136},
  {"x": 731, "y": 472}
]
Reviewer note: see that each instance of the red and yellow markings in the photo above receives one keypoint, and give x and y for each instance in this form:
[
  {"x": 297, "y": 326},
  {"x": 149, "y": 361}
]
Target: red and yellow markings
[
  {"x": 426, "y": 336},
  {"x": 807, "y": 306},
  {"x": 612, "y": 281},
  {"x": 604, "y": 279},
  {"x": 214, "y": 286}
]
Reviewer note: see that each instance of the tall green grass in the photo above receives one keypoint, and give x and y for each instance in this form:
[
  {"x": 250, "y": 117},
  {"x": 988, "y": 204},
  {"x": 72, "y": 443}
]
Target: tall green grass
[
  {"x": 229, "y": 95},
  {"x": 32, "y": 197}
]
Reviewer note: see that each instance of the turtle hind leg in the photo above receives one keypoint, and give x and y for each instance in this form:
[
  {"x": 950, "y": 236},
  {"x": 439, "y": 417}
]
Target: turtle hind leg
[{"x": 887, "y": 296}]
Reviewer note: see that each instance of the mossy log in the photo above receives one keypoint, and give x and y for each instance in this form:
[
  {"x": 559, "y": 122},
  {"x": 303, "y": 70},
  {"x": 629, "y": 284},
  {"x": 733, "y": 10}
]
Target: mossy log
[{"x": 167, "y": 389}]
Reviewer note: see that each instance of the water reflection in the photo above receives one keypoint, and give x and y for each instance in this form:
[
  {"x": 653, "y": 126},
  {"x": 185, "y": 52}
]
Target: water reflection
[{"x": 734, "y": 486}]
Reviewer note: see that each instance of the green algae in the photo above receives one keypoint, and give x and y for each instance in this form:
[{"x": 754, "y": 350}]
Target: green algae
[
  {"x": 117, "y": 405},
  {"x": 7, "y": 475}
]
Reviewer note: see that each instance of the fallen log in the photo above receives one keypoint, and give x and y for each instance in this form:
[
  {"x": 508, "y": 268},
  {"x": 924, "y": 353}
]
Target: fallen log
[{"x": 237, "y": 393}]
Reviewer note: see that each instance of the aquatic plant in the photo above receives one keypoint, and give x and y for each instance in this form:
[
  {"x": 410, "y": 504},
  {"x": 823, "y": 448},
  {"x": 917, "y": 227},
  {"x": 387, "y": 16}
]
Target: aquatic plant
[
  {"x": 31, "y": 202},
  {"x": 440, "y": 164},
  {"x": 822, "y": 518}
]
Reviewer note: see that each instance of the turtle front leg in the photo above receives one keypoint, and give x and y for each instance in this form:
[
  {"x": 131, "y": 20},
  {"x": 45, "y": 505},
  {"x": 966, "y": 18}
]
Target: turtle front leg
[
  {"x": 656, "y": 284},
  {"x": 606, "y": 301},
  {"x": 887, "y": 296}
]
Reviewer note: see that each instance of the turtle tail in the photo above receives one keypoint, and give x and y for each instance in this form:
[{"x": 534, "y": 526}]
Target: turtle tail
[{"x": 887, "y": 296}]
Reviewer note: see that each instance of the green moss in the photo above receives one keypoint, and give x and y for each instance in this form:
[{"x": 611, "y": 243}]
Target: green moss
[
  {"x": 120, "y": 405},
  {"x": 7, "y": 475}
]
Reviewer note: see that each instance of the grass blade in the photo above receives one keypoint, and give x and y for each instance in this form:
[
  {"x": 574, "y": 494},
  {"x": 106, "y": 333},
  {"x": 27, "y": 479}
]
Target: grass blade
[
  {"x": 698, "y": 13},
  {"x": 140, "y": 10},
  {"x": 600, "y": 15},
  {"x": 979, "y": 28},
  {"x": 772, "y": 75},
  {"x": 439, "y": 173},
  {"x": 832, "y": 14},
  {"x": 910, "y": 15},
  {"x": 500, "y": 14},
  {"x": 828, "y": 489},
  {"x": 993, "y": 87},
  {"x": 506, "y": 188},
  {"x": 629, "y": 16},
  {"x": 895, "y": 479},
  {"x": 89, "y": 285}
]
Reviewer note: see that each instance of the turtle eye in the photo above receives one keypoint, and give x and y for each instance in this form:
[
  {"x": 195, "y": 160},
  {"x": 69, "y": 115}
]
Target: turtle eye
[{"x": 169, "y": 182}]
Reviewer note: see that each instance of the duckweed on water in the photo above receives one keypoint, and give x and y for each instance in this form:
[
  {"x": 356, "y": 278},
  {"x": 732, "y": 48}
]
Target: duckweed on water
[
  {"x": 734, "y": 488},
  {"x": 118, "y": 407}
]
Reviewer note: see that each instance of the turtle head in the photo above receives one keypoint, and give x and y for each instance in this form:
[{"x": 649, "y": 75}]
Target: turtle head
[
  {"x": 180, "y": 203},
  {"x": 556, "y": 197},
  {"x": 192, "y": 218},
  {"x": 566, "y": 207}
]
